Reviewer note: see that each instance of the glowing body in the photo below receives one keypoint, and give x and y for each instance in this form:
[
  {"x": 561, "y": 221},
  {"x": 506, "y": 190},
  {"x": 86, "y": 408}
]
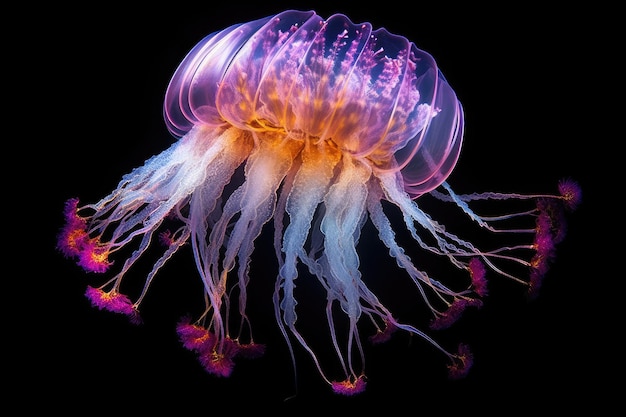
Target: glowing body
[{"x": 328, "y": 119}]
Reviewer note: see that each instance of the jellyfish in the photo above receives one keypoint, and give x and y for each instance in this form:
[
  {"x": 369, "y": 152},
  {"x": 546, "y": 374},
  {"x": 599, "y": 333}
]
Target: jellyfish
[{"x": 318, "y": 126}]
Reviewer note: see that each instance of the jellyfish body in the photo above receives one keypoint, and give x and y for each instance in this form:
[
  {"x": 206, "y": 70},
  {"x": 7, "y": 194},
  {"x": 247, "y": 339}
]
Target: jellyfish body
[{"x": 327, "y": 119}]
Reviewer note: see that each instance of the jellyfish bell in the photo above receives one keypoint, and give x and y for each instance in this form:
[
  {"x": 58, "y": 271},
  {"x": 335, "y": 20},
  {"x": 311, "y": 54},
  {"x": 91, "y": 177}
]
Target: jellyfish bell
[
  {"x": 327, "y": 119},
  {"x": 366, "y": 92}
]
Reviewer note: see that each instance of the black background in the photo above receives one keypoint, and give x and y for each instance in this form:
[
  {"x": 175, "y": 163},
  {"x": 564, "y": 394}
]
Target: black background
[{"x": 98, "y": 78}]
